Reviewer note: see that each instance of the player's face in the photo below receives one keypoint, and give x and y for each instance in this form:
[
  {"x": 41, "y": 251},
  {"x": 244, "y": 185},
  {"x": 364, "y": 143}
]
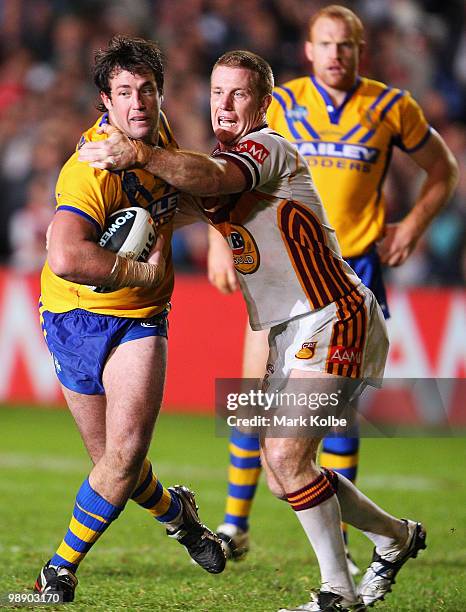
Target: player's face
[
  {"x": 334, "y": 53},
  {"x": 235, "y": 108},
  {"x": 134, "y": 104}
]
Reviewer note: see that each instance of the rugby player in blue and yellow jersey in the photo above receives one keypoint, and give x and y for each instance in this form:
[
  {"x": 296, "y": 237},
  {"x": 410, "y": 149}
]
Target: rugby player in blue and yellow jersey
[
  {"x": 109, "y": 348},
  {"x": 346, "y": 127}
]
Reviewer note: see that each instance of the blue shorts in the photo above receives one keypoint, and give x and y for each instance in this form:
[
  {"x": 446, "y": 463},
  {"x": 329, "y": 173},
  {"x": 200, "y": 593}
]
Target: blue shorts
[
  {"x": 369, "y": 270},
  {"x": 81, "y": 341}
]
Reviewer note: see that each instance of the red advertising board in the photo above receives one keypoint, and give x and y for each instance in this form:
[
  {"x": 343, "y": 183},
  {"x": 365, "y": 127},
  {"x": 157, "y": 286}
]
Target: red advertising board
[{"x": 427, "y": 334}]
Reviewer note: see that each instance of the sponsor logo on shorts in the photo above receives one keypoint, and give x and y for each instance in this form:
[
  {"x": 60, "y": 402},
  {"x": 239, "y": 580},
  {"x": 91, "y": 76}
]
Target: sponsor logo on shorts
[
  {"x": 345, "y": 355},
  {"x": 56, "y": 363},
  {"x": 307, "y": 350},
  {"x": 255, "y": 149},
  {"x": 244, "y": 248}
]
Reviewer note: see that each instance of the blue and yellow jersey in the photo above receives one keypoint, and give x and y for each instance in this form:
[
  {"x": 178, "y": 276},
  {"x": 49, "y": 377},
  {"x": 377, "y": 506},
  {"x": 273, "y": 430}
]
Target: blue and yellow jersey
[
  {"x": 95, "y": 194},
  {"x": 348, "y": 148}
]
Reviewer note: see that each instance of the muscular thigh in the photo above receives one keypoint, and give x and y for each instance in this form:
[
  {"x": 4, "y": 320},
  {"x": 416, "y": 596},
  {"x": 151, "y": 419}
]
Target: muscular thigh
[
  {"x": 88, "y": 412},
  {"x": 133, "y": 379}
]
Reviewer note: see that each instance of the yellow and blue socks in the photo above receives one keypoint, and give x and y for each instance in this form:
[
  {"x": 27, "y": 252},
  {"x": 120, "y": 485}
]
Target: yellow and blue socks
[
  {"x": 150, "y": 494},
  {"x": 92, "y": 515},
  {"x": 243, "y": 476}
]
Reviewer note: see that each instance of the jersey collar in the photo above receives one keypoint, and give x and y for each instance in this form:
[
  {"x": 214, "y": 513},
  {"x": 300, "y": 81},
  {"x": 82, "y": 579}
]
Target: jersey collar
[{"x": 334, "y": 113}]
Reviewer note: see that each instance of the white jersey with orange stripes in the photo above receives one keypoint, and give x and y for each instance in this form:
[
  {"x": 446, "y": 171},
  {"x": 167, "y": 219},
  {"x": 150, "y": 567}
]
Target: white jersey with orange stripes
[{"x": 285, "y": 252}]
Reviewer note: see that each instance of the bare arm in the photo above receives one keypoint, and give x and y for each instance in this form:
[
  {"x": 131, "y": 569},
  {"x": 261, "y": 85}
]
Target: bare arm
[
  {"x": 74, "y": 255},
  {"x": 220, "y": 266},
  {"x": 442, "y": 176},
  {"x": 73, "y": 252},
  {"x": 188, "y": 171}
]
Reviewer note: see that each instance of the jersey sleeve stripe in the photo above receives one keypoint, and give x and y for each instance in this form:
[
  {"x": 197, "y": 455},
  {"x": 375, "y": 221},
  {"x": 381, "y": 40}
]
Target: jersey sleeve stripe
[
  {"x": 81, "y": 213},
  {"x": 420, "y": 144},
  {"x": 166, "y": 128},
  {"x": 392, "y": 102},
  {"x": 380, "y": 97},
  {"x": 289, "y": 122},
  {"x": 291, "y": 94},
  {"x": 277, "y": 94},
  {"x": 250, "y": 172}
]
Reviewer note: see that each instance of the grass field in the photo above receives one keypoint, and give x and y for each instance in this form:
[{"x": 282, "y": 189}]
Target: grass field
[{"x": 136, "y": 567}]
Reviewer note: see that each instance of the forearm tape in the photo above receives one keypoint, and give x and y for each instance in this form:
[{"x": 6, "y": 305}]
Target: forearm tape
[{"x": 131, "y": 273}]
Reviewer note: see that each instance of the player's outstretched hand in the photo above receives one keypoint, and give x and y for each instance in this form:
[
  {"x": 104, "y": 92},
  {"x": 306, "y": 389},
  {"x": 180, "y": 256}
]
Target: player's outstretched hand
[
  {"x": 117, "y": 152},
  {"x": 397, "y": 244},
  {"x": 220, "y": 267}
]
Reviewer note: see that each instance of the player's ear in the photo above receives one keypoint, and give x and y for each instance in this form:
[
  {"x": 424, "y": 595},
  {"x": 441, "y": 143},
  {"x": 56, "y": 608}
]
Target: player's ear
[
  {"x": 308, "y": 51},
  {"x": 265, "y": 103},
  {"x": 107, "y": 101}
]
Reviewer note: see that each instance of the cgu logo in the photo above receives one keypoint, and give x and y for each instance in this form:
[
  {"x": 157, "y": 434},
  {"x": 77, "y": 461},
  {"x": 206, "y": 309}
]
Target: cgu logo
[{"x": 346, "y": 355}]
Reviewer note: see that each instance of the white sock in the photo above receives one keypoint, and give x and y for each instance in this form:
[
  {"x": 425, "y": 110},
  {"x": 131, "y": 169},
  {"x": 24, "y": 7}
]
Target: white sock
[
  {"x": 322, "y": 526},
  {"x": 382, "y": 528}
]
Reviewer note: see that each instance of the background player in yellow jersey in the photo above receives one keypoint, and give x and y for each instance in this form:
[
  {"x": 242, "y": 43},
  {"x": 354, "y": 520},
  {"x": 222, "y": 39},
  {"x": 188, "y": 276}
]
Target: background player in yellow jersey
[
  {"x": 345, "y": 126},
  {"x": 109, "y": 348}
]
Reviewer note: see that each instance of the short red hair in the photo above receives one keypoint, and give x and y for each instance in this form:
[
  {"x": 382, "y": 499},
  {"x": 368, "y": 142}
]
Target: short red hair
[{"x": 336, "y": 11}]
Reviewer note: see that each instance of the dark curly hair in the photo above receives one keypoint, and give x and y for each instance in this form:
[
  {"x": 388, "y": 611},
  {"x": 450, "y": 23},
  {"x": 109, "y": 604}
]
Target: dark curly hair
[{"x": 127, "y": 53}]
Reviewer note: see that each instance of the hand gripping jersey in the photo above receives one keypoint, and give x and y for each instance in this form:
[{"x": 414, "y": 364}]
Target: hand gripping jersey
[
  {"x": 348, "y": 148},
  {"x": 95, "y": 194},
  {"x": 286, "y": 253}
]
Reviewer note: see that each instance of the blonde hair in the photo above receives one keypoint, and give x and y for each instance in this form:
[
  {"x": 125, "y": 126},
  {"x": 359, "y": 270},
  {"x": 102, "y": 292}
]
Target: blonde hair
[{"x": 336, "y": 11}]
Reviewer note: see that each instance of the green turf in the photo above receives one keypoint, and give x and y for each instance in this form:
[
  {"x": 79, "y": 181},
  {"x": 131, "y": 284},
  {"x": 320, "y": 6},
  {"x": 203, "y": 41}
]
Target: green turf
[{"x": 136, "y": 567}]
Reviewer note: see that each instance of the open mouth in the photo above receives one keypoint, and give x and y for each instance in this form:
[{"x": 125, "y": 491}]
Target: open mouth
[{"x": 226, "y": 123}]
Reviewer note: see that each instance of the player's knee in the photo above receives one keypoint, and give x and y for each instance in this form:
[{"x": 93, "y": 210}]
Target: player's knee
[
  {"x": 289, "y": 458},
  {"x": 275, "y": 488},
  {"x": 126, "y": 459}
]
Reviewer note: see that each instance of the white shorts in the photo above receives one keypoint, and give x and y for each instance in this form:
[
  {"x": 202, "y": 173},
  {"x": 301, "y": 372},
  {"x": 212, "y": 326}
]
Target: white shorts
[{"x": 347, "y": 338}]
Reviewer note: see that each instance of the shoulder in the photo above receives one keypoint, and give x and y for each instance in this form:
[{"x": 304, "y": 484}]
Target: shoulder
[
  {"x": 290, "y": 90},
  {"x": 166, "y": 137},
  {"x": 261, "y": 144}
]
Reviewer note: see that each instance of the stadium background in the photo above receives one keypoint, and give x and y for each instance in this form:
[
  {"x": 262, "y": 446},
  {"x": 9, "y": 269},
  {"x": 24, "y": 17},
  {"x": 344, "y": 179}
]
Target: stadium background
[{"x": 47, "y": 99}]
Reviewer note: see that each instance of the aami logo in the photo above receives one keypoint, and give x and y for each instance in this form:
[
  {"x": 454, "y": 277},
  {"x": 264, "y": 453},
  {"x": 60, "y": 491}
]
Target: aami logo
[
  {"x": 255, "y": 150},
  {"x": 338, "y": 149},
  {"x": 345, "y": 355}
]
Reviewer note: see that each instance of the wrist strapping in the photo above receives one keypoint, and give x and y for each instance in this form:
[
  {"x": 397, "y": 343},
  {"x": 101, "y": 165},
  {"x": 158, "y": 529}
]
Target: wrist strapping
[{"x": 131, "y": 273}]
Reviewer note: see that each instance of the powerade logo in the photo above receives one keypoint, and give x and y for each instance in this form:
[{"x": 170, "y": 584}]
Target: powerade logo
[{"x": 338, "y": 149}]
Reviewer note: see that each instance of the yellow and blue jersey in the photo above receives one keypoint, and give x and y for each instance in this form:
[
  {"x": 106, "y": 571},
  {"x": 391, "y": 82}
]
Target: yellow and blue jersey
[
  {"x": 348, "y": 148},
  {"x": 95, "y": 194}
]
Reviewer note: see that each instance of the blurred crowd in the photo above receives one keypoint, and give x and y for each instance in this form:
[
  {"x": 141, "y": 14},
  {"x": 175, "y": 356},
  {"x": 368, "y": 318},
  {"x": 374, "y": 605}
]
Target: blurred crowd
[{"x": 47, "y": 98}]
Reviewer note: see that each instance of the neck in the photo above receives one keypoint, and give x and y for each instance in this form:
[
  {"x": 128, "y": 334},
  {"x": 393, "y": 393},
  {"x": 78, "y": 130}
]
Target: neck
[{"x": 337, "y": 95}]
